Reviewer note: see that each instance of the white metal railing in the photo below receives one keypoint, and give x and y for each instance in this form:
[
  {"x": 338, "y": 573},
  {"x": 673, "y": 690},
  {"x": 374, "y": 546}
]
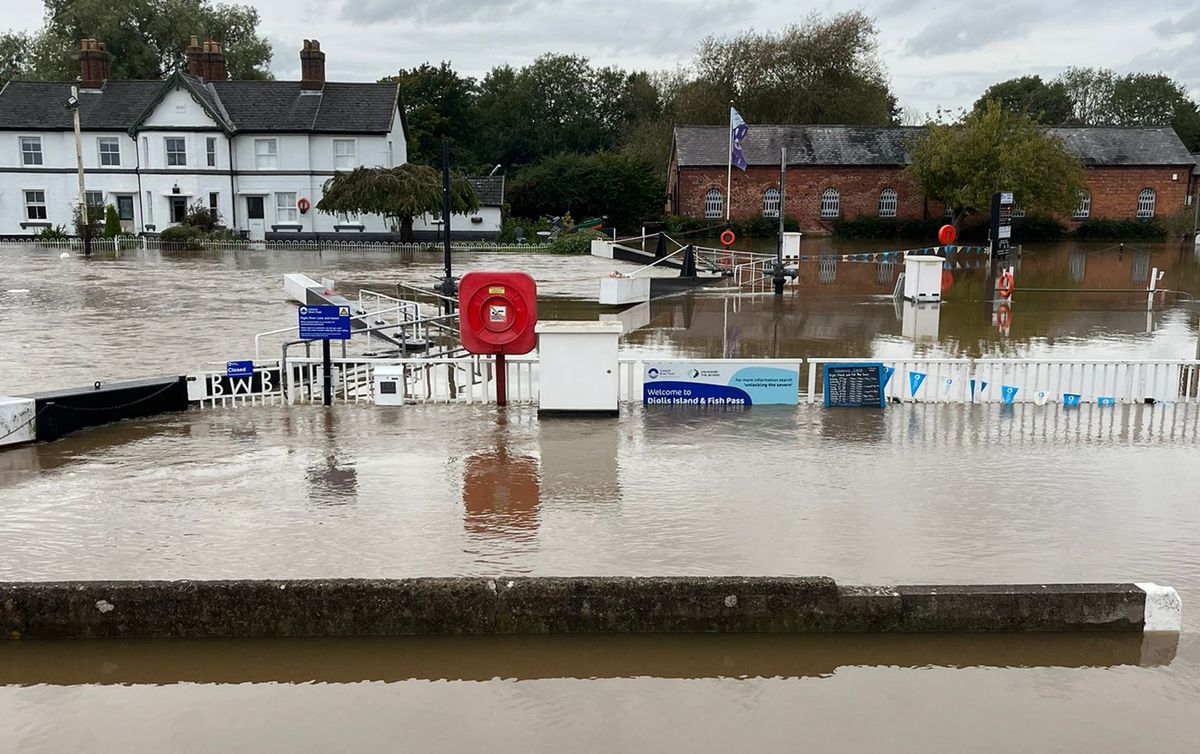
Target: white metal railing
[
  {"x": 472, "y": 379},
  {"x": 468, "y": 379}
]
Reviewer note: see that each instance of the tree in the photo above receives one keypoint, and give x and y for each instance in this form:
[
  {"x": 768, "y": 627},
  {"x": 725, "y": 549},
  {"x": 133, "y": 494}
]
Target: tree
[
  {"x": 1145, "y": 99},
  {"x": 399, "y": 194},
  {"x": 821, "y": 71},
  {"x": 995, "y": 150},
  {"x": 147, "y": 38},
  {"x": 1090, "y": 91},
  {"x": 1046, "y": 103},
  {"x": 439, "y": 103},
  {"x": 624, "y": 188},
  {"x": 15, "y": 56}
]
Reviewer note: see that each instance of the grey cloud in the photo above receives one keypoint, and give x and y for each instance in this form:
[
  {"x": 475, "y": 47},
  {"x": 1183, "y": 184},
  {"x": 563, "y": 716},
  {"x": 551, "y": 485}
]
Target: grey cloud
[
  {"x": 1188, "y": 23},
  {"x": 376, "y": 11},
  {"x": 958, "y": 32}
]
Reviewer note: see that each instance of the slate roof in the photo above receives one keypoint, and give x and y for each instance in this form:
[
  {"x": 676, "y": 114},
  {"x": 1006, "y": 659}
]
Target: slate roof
[
  {"x": 490, "y": 189},
  {"x": 254, "y": 106},
  {"x": 862, "y": 145},
  {"x": 1196, "y": 157}
]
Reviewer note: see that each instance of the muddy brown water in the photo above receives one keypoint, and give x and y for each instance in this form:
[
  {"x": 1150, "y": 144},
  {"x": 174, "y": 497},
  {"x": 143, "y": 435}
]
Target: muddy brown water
[{"x": 911, "y": 494}]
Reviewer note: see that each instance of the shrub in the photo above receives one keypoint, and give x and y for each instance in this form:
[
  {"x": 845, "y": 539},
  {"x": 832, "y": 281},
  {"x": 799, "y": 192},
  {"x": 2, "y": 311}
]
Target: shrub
[
  {"x": 1137, "y": 230},
  {"x": 1038, "y": 228},
  {"x": 183, "y": 237},
  {"x": 201, "y": 217},
  {"x": 56, "y": 233},
  {"x": 112, "y": 222},
  {"x": 579, "y": 242},
  {"x": 529, "y": 227},
  {"x": 95, "y": 221}
]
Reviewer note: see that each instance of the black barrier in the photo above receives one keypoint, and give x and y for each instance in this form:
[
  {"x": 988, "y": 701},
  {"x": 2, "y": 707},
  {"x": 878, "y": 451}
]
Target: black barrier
[{"x": 63, "y": 411}]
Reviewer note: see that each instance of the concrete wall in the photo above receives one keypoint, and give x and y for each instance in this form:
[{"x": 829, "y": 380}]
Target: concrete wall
[{"x": 546, "y": 605}]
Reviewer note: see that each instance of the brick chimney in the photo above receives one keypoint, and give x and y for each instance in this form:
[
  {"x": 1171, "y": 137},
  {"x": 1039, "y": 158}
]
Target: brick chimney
[
  {"x": 195, "y": 59},
  {"x": 95, "y": 67},
  {"x": 214, "y": 62},
  {"x": 312, "y": 66}
]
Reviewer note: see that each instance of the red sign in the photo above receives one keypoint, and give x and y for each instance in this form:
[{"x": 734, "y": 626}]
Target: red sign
[{"x": 497, "y": 312}]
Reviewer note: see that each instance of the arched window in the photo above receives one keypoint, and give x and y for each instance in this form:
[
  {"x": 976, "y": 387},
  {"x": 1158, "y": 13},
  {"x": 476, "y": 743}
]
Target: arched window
[
  {"x": 831, "y": 203},
  {"x": 771, "y": 203},
  {"x": 1146, "y": 203},
  {"x": 1084, "y": 210},
  {"x": 1018, "y": 212},
  {"x": 714, "y": 203},
  {"x": 887, "y": 203}
]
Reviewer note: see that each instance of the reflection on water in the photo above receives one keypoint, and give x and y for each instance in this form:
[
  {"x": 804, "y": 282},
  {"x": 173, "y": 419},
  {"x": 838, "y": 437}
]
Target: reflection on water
[
  {"x": 145, "y": 313},
  {"x": 461, "y": 658}
]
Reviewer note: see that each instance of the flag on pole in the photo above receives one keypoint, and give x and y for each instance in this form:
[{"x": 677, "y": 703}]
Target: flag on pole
[{"x": 737, "y": 132}]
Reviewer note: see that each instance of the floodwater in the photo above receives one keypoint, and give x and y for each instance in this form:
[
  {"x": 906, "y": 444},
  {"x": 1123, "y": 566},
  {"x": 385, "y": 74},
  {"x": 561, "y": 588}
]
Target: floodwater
[
  {"x": 910, "y": 494},
  {"x": 75, "y": 321}
]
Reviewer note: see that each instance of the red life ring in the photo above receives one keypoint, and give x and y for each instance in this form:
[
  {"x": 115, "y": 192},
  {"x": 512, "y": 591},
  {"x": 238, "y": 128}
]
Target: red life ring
[
  {"x": 1005, "y": 286},
  {"x": 303, "y": 205},
  {"x": 727, "y": 238},
  {"x": 1003, "y": 315}
]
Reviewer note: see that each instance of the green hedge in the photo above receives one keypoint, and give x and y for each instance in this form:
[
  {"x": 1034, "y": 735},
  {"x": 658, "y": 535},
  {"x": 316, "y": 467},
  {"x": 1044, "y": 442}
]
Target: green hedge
[
  {"x": 1137, "y": 230},
  {"x": 183, "y": 237},
  {"x": 973, "y": 230},
  {"x": 759, "y": 227}
]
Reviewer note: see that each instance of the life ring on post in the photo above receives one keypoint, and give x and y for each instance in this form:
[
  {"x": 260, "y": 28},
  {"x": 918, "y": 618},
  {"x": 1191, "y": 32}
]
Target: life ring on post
[
  {"x": 303, "y": 205},
  {"x": 727, "y": 238},
  {"x": 1005, "y": 285}
]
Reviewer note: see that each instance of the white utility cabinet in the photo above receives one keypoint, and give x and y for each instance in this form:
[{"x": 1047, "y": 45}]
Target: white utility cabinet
[
  {"x": 923, "y": 277},
  {"x": 578, "y": 365},
  {"x": 389, "y": 385}
]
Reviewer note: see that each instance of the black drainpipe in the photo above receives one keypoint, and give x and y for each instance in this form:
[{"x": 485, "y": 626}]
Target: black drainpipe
[{"x": 232, "y": 187}]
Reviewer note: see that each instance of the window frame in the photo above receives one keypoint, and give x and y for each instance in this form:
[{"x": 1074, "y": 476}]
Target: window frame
[
  {"x": 771, "y": 203},
  {"x": 1146, "y": 203},
  {"x": 1083, "y": 210},
  {"x": 889, "y": 203},
  {"x": 714, "y": 204},
  {"x": 172, "y": 204},
  {"x": 181, "y": 154},
  {"x": 831, "y": 204},
  {"x": 210, "y": 151},
  {"x": 87, "y": 195},
  {"x": 353, "y": 155},
  {"x": 101, "y": 154},
  {"x": 27, "y": 204},
  {"x": 286, "y": 213},
  {"x": 272, "y": 153},
  {"x": 40, "y": 152},
  {"x": 214, "y": 200}
]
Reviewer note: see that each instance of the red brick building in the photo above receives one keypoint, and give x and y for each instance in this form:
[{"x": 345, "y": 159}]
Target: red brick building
[{"x": 846, "y": 172}]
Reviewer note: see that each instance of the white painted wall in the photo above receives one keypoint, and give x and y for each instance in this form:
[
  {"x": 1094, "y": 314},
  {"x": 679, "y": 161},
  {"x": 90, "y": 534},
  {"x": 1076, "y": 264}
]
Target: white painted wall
[{"x": 305, "y": 162}]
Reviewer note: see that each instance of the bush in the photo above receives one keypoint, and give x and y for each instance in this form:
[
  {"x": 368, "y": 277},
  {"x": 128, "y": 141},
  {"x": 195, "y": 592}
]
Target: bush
[
  {"x": 112, "y": 222},
  {"x": 201, "y": 217},
  {"x": 1135, "y": 230},
  {"x": 508, "y": 228},
  {"x": 759, "y": 227},
  {"x": 183, "y": 237},
  {"x": 95, "y": 221},
  {"x": 579, "y": 242},
  {"x": 56, "y": 233},
  {"x": 1038, "y": 228}
]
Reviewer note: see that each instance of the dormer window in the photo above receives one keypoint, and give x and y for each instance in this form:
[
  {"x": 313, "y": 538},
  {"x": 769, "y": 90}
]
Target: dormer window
[{"x": 31, "y": 150}]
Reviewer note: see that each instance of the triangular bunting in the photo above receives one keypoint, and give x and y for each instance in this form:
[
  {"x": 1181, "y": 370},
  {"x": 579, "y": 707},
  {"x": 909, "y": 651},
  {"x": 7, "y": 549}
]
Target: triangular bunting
[
  {"x": 914, "y": 382},
  {"x": 1008, "y": 393}
]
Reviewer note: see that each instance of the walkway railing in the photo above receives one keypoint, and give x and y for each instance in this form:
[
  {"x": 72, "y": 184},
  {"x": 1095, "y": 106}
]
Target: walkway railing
[
  {"x": 472, "y": 379},
  {"x": 130, "y": 243}
]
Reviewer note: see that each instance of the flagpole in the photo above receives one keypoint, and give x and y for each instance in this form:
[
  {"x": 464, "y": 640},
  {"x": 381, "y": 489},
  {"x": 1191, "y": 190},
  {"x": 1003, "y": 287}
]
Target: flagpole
[{"x": 729, "y": 167}]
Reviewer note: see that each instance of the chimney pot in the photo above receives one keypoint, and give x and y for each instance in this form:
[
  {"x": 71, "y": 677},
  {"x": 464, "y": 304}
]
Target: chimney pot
[{"x": 95, "y": 67}]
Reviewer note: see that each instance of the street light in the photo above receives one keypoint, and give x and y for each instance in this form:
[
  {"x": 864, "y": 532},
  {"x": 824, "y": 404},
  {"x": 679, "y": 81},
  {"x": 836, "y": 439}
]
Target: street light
[{"x": 72, "y": 104}]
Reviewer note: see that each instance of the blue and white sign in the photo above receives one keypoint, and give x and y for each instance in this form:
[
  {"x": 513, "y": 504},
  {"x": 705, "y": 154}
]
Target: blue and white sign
[
  {"x": 239, "y": 369},
  {"x": 324, "y": 322},
  {"x": 687, "y": 383}
]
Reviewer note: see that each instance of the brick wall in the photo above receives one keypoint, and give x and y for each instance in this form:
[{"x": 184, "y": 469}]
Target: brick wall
[{"x": 1114, "y": 191}]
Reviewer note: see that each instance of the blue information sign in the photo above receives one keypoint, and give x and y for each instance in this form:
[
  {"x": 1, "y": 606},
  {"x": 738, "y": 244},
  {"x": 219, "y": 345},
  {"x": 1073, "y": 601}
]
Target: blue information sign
[
  {"x": 324, "y": 323},
  {"x": 239, "y": 369}
]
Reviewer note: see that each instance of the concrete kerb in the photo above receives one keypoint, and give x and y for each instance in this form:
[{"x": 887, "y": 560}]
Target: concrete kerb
[{"x": 553, "y": 605}]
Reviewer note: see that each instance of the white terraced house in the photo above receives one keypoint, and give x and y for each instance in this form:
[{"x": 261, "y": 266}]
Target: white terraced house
[{"x": 258, "y": 152}]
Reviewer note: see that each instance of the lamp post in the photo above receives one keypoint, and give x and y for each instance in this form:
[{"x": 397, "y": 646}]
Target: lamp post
[{"x": 84, "y": 226}]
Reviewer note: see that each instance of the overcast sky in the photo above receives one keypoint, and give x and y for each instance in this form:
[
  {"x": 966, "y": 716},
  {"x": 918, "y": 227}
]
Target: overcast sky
[{"x": 937, "y": 53}]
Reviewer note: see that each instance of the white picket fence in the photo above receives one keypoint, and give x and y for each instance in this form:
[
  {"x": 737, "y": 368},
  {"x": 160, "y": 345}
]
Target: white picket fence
[
  {"x": 146, "y": 243},
  {"x": 472, "y": 379}
]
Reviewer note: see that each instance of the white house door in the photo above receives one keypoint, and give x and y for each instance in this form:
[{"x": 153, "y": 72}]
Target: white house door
[{"x": 256, "y": 215}]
